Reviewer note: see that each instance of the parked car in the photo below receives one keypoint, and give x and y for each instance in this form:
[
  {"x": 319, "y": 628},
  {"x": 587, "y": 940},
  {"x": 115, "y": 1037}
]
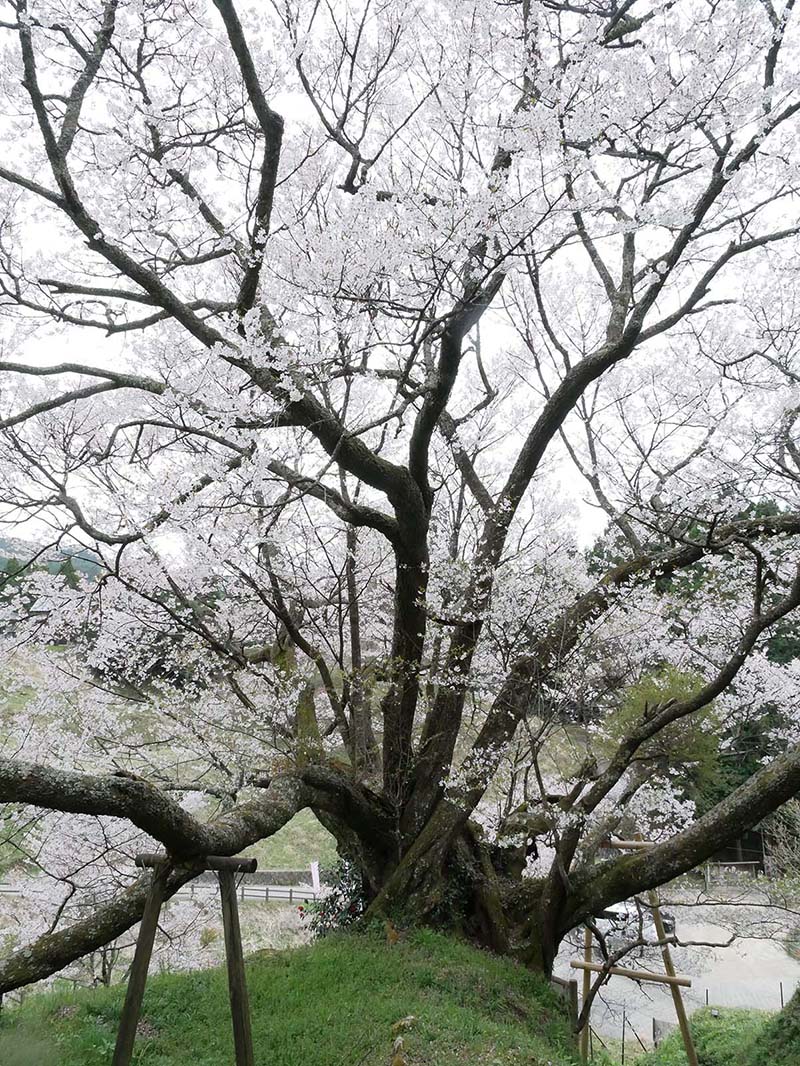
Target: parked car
[{"x": 621, "y": 922}]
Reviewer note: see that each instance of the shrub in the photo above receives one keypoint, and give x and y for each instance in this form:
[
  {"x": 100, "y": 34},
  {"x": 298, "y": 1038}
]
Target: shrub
[{"x": 342, "y": 905}]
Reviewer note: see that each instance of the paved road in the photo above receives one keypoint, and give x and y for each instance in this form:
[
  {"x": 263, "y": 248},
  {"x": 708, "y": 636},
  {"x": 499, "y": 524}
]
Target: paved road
[{"x": 749, "y": 973}]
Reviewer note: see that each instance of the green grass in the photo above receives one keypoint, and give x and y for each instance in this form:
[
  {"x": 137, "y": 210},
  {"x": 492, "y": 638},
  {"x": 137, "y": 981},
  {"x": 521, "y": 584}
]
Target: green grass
[
  {"x": 294, "y": 847},
  {"x": 736, "y": 1038},
  {"x": 778, "y": 1041},
  {"x": 331, "y": 1004}
]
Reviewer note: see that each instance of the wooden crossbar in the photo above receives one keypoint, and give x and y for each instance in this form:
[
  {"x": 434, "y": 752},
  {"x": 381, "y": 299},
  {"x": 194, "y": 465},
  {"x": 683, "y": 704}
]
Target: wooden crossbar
[
  {"x": 235, "y": 863},
  {"x": 636, "y": 975}
]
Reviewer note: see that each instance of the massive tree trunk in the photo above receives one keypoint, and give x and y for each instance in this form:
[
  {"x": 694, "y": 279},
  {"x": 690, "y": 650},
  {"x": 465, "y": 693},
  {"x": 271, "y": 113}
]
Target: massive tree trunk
[
  {"x": 452, "y": 878},
  {"x": 422, "y": 858}
]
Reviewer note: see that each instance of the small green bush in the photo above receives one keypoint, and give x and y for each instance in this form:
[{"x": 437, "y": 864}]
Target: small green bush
[
  {"x": 720, "y": 1039},
  {"x": 778, "y": 1042},
  {"x": 343, "y": 903}
]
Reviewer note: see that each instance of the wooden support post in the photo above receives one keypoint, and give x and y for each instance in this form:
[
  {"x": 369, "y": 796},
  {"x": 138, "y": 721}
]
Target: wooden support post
[
  {"x": 671, "y": 978},
  {"x": 138, "y": 975},
  {"x": 677, "y": 998},
  {"x": 572, "y": 999},
  {"x": 237, "y": 985},
  {"x": 587, "y": 987}
]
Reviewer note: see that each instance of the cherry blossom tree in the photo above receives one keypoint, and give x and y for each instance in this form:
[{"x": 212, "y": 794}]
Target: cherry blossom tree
[{"x": 310, "y": 315}]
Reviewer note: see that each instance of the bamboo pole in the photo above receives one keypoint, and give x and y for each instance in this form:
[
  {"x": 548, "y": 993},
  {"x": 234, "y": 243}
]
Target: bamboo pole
[
  {"x": 587, "y": 987},
  {"x": 635, "y": 975},
  {"x": 236, "y": 863},
  {"x": 677, "y": 998},
  {"x": 630, "y": 845}
]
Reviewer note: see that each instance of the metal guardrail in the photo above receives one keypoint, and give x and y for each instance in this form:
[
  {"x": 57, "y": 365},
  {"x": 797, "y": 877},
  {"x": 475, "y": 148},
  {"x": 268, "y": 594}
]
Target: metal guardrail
[
  {"x": 265, "y": 893},
  {"x": 247, "y": 892}
]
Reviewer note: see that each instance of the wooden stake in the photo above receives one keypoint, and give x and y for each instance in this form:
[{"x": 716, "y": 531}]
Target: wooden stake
[
  {"x": 674, "y": 982},
  {"x": 141, "y": 962},
  {"x": 624, "y": 1019},
  {"x": 635, "y": 975},
  {"x": 237, "y": 985},
  {"x": 677, "y": 998},
  {"x": 629, "y": 845},
  {"x": 587, "y": 988}
]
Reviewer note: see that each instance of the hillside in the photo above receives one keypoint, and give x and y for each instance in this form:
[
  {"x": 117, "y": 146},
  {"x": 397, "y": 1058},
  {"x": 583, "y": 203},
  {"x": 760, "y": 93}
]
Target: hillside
[
  {"x": 728, "y": 1037},
  {"x": 331, "y": 1004},
  {"x": 778, "y": 1043},
  {"x": 301, "y": 841},
  {"x": 14, "y": 548}
]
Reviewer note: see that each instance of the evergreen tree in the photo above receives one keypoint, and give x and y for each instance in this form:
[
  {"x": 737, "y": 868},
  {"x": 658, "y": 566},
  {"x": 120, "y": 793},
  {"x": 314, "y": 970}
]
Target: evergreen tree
[{"x": 70, "y": 575}]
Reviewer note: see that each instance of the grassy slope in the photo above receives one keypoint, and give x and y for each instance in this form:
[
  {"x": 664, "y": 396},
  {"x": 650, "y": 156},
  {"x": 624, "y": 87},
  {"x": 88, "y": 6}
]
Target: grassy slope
[
  {"x": 719, "y": 1041},
  {"x": 299, "y": 843},
  {"x": 737, "y": 1038},
  {"x": 778, "y": 1042},
  {"x": 331, "y": 1004}
]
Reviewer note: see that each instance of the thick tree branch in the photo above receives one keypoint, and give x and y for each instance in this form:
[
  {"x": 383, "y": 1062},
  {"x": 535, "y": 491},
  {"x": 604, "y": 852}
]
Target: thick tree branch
[
  {"x": 121, "y": 797},
  {"x": 52, "y": 952},
  {"x": 353, "y": 513},
  {"x": 121, "y": 380},
  {"x": 145, "y": 805},
  {"x": 466, "y": 315},
  {"x": 69, "y": 126},
  {"x": 272, "y": 127},
  {"x": 597, "y": 887}
]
